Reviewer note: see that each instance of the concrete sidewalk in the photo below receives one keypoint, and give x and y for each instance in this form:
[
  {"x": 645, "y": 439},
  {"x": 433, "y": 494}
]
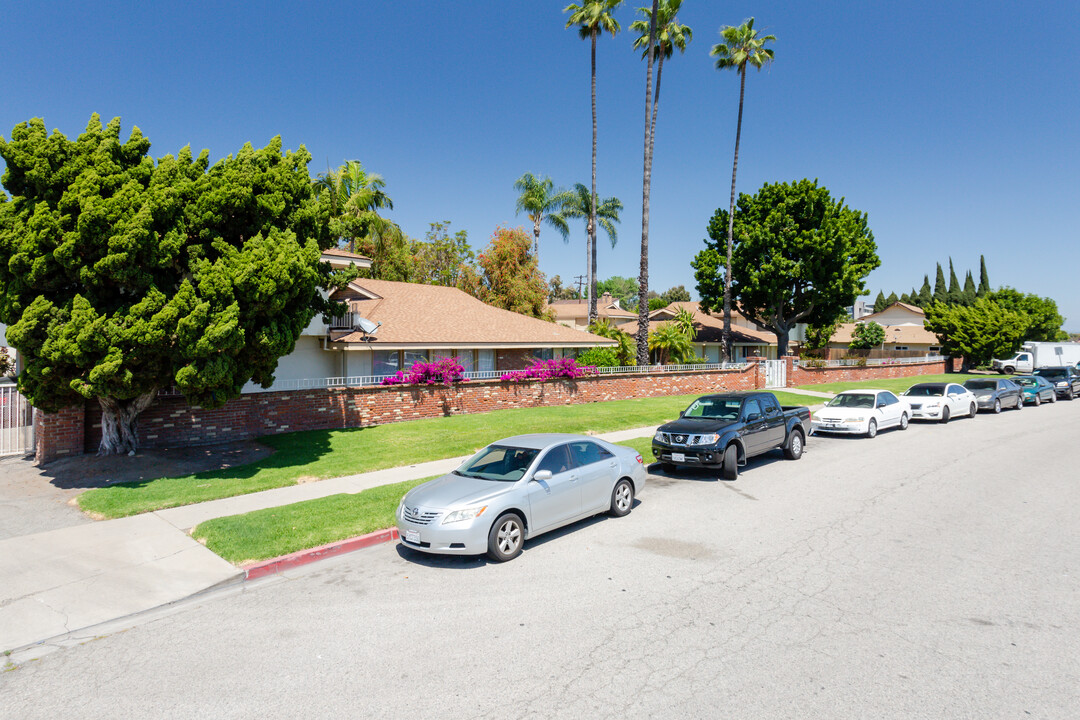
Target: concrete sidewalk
[{"x": 58, "y": 585}]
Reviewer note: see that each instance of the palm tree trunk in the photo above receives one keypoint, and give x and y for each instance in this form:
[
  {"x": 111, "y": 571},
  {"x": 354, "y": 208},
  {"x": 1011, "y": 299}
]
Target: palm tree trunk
[
  {"x": 646, "y": 189},
  {"x": 592, "y": 202},
  {"x": 536, "y": 240},
  {"x": 731, "y": 222}
]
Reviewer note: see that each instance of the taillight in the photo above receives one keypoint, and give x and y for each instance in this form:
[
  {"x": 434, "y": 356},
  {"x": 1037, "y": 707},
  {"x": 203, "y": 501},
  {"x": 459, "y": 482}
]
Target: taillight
[{"x": 640, "y": 461}]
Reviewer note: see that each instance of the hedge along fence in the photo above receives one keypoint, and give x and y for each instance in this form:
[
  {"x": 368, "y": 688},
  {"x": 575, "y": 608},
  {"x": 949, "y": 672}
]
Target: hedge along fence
[{"x": 171, "y": 422}]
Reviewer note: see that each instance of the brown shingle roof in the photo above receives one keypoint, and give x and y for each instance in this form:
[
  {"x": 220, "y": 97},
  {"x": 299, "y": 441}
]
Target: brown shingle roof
[
  {"x": 571, "y": 309},
  {"x": 894, "y": 334},
  {"x": 708, "y": 328},
  {"x": 337, "y": 252},
  {"x": 430, "y": 315}
]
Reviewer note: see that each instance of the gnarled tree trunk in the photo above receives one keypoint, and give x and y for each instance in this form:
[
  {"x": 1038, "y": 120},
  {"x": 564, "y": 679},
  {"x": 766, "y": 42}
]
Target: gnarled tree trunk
[{"x": 120, "y": 423}]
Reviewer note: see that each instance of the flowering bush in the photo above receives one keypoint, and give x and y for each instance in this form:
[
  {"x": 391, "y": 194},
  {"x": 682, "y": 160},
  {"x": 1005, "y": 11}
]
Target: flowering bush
[
  {"x": 445, "y": 371},
  {"x": 547, "y": 369}
]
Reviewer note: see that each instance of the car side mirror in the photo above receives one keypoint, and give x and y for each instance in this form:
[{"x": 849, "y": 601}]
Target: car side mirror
[
  {"x": 542, "y": 475},
  {"x": 881, "y": 404},
  {"x": 753, "y": 417},
  {"x": 682, "y": 413}
]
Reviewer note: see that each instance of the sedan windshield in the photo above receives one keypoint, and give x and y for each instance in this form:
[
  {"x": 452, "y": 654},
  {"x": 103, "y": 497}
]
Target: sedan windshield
[
  {"x": 852, "y": 401},
  {"x": 1026, "y": 381},
  {"x": 1054, "y": 374},
  {"x": 714, "y": 408},
  {"x": 499, "y": 462},
  {"x": 981, "y": 384},
  {"x": 926, "y": 391}
]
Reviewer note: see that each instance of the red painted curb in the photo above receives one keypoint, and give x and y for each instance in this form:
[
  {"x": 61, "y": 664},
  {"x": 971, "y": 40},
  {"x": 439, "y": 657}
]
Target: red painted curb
[{"x": 303, "y": 557}]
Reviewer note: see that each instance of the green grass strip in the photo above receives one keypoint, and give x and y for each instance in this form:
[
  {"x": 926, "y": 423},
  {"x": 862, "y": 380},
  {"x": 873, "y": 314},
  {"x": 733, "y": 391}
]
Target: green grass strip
[
  {"x": 896, "y": 385},
  {"x": 321, "y": 454}
]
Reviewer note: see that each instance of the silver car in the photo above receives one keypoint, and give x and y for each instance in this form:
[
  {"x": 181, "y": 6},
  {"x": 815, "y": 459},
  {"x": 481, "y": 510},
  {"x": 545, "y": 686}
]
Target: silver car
[{"x": 516, "y": 489}]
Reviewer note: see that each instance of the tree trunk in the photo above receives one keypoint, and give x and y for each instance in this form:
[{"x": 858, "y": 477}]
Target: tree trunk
[
  {"x": 646, "y": 189},
  {"x": 536, "y": 240},
  {"x": 731, "y": 222},
  {"x": 120, "y": 423},
  {"x": 592, "y": 200}
]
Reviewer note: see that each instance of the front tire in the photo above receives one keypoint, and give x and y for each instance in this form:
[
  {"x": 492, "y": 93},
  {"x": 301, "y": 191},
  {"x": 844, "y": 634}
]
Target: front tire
[
  {"x": 794, "y": 448},
  {"x": 1038, "y": 400},
  {"x": 997, "y": 407},
  {"x": 622, "y": 498},
  {"x": 944, "y": 414},
  {"x": 1009, "y": 370},
  {"x": 871, "y": 429},
  {"x": 506, "y": 537},
  {"x": 1019, "y": 403},
  {"x": 974, "y": 410},
  {"x": 1070, "y": 395},
  {"x": 903, "y": 421},
  {"x": 730, "y": 469}
]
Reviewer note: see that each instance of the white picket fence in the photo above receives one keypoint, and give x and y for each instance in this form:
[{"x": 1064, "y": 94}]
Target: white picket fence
[{"x": 16, "y": 422}]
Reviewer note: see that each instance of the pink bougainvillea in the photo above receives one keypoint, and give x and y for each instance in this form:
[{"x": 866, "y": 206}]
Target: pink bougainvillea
[
  {"x": 443, "y": 371},
  {"x": 542, "y": 370}
]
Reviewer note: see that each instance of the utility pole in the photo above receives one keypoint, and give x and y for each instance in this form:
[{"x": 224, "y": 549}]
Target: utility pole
[{"x": 579, "y": 281}]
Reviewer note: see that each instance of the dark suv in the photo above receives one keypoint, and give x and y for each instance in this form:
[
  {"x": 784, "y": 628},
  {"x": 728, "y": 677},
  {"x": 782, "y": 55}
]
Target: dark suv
[{"x": 1064, "y": 378}]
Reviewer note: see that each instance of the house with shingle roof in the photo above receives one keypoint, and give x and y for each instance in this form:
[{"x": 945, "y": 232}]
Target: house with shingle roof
[
  {"x": 904, "y": 331},
  {"x": 747, "y": 340},
  {"x": 575, "y": 313}
]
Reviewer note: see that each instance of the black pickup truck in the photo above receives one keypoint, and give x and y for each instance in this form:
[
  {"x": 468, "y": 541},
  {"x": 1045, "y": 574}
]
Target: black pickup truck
[{"x": 724, "y": 431}]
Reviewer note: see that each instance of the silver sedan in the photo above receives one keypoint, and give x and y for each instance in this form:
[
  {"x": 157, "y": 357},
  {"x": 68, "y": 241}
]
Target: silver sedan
[{"x": 516, "y": 489}]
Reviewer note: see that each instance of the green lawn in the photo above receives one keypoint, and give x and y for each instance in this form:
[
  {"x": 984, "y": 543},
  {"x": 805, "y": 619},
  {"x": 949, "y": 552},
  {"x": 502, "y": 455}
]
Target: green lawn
[
  {"x": 896, "y": 385},
  {"x": 321, "y": 454},
  {"x": 278, "y": 531}
]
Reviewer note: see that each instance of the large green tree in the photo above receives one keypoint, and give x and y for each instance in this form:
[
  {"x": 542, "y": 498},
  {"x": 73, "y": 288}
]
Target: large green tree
[
  {"x": 510, "y": 278},
  {"x": 354, "y": 197},
  {"x": 659, "y": 35},
  {"x": 866, "y": 336},
  {"x": 444, "y": 259},
  {"x": 121, "y": 276},
  {"x": 623, "y": 288},
  {"x": 541, "y": 201},
  {"x": 591, "y": 18},
  {"x": 1042, "y": 320},
  {"x": 799, "y": 256},
  {"x": 982, "y": 331},
  {"x": 742, "y": 46}
]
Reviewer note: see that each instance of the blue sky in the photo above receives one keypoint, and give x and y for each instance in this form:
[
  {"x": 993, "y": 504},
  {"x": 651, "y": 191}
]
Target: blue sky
[{"x": 954, "y": 125}]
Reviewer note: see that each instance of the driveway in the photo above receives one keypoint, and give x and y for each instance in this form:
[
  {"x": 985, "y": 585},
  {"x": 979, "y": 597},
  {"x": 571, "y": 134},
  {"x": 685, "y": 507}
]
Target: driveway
[{"x": 927, "y": 573}]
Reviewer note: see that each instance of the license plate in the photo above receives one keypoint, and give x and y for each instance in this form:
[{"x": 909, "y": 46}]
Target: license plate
[
  {"x": 412, "y": 536},
  {"x": 678, "y": 457}
]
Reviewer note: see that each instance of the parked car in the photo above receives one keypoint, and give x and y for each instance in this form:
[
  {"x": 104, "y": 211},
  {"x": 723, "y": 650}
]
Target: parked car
[
  {"x": 994, "y": 394},
  {"x": 724, "y": 431},
  {"x": 516, "y": 489},
  {"x": 1065, "y": 378},
  {"x": 940, "y": 401},
  {"x": 1037, "y": 389},
  {"x": 862, "y": 412}
]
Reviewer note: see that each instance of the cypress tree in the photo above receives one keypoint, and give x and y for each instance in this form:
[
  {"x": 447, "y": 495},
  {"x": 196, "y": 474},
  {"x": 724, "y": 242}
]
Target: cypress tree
[
  {"x": 984, "y": 279},
  {"x": 926, "y": 295},
  {"x": 969, "y": 293},
  {"x": 941, "y": 293},
  {"x": 956, "y": 295},
  {"x": 906, "y": 299},
  {"x": 879, "y": 302}
]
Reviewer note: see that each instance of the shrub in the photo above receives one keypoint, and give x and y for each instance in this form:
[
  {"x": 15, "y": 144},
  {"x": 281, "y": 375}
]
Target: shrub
[
  {"x": 7, "y": 362},
  {"x": 444, "y": 371},
  {"x": 599, "y": 357},
  {"x": 814, "y": 362},
  {"x": 542, "y": 370}
]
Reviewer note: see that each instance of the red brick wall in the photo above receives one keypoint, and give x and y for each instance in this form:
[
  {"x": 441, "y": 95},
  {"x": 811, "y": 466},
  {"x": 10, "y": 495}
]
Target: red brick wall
[
  {"x": 812, "y": 376},
  {"x": 59, "y": 434},
  {"x": 170, "y": 421}
]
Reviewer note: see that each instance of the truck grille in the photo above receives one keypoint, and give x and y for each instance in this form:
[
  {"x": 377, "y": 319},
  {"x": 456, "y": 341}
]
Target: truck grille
[
  {"x": 419, "y": 517},
  {"x": 683, "y": 439}
]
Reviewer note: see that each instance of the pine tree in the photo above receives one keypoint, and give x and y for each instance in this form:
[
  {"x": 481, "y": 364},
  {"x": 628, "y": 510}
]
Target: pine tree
[
  {"x": 984, "y": 279},
  {"x": 926, "y": 295},
  {"x": 906, "y": 299},
  {"x": 941, "y": 293},
  {"x": 913, "y": 298},
  {"x": 891, "y": 300},
  {"x": 879, "y": 302},
  {"x": 956, "y": 295},
  {"x": 969, "y": 293}
]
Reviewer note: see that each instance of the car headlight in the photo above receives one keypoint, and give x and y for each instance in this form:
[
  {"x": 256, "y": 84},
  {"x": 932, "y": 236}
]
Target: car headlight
[
  {"x": 708, "y": 439},
  {"x": 853, "y": 420},
  {"x": 657, "y": 437},
  {"x": 466, "y": 514},
  {"x": 1062, "y": 384},
  {"x": 932, "y": 403}
]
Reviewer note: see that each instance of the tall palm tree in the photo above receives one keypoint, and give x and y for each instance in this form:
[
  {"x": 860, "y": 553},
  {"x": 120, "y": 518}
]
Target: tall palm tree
[
  {"x": 591, "y": 18},
  {"x": 541, "y": 201},
  {"x": 659, "y": 35},
  {"x": 355, "y": 193},
  {"x": 583, "y": 205},
  {"x": 741, "y": 47}
]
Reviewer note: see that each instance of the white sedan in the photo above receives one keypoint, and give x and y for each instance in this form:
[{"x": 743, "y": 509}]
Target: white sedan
[
  {"x": 940, "y": 401},
  {"x": 861, "y": 412}
]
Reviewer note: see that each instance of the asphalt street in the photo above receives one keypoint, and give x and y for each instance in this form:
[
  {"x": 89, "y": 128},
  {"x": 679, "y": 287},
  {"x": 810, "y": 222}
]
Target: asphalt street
[{"x": 930, "y": 573}]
